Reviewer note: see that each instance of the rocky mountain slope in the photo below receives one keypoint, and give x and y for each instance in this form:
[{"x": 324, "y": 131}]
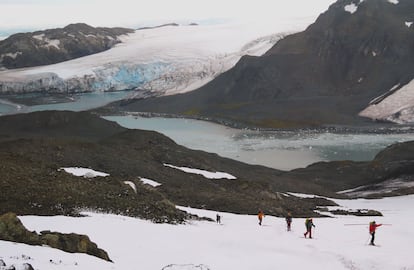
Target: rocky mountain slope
[
  {"x": 57, "y": 45},
  {"x": 38, "y": 145},
  {"x": 355, "y": 55}
]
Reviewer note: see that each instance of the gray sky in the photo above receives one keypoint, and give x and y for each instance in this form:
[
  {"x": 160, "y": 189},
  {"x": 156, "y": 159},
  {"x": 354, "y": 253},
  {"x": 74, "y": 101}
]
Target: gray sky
[{"x": 129, "y": 13}]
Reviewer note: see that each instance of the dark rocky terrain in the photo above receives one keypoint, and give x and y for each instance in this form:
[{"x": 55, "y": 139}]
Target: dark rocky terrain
[
  {"x": 324, "y": 75},
  {"x": 34, "y": 146},
  {"x": 57, "y": 45}
]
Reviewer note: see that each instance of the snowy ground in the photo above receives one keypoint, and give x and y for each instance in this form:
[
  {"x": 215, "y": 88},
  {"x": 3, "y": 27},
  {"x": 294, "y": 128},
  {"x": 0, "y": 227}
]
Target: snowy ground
[{"x": 239, "y": 243}]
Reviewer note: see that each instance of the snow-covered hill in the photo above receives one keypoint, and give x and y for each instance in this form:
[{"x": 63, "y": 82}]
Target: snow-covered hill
[
  {"x": 239, "y": 243},
  {"x": 163, "y": 60}
]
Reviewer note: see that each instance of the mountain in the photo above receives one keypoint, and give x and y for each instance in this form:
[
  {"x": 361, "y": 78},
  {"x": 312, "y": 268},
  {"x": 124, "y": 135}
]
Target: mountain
[
  {"x": 57, "y": 45},
  {"x": 355, "y": 55},
  {"x": 36, "y": 147}
]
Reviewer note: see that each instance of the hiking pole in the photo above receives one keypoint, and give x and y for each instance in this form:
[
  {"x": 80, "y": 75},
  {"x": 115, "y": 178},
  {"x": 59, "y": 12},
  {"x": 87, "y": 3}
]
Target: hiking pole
[{"x": 360, "y": 224}]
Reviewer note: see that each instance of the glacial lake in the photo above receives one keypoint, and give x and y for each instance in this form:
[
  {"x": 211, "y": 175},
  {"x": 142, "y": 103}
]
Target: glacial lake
[{"x": 281, "y": 150}]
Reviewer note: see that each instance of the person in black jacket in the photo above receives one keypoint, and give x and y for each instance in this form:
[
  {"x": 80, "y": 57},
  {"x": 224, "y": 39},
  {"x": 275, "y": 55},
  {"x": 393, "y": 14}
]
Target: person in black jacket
[
  {"x": 218, "y": 218},
  {"x": 288, "y": 221}
]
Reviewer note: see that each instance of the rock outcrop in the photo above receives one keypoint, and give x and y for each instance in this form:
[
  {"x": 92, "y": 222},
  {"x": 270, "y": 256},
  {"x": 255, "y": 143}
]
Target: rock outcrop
[
  {"x": 57, "y": 45},
  {"x": 12, "y": 229}
]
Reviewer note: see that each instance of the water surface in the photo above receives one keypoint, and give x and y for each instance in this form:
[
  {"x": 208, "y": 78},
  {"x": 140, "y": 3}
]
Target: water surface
[
  {"x": 281, "y": 150},
  {"x": 77, "y": 102}
]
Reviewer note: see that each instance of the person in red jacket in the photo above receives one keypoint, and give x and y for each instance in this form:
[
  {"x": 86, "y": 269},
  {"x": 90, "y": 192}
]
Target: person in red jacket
[
  {"x": 260, "y": 216},
  {"x": 372, "y": 227}
]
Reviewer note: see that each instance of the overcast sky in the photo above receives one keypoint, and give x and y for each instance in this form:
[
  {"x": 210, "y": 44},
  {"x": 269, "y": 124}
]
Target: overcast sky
[{"x": 132, "y": 13}]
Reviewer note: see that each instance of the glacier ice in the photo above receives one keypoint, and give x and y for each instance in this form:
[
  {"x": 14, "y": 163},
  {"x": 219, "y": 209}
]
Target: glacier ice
[{"x": 161, "y": 61}]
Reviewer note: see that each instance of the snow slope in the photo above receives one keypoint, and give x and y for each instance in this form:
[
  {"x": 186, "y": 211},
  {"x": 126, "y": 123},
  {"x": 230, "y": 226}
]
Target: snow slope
[
  {"x": 239, "y": 243},
  {"x": 397, "y": 107}
]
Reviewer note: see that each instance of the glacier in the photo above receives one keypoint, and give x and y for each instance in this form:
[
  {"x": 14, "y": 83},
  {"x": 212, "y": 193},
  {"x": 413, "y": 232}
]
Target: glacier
[{"x": 155, "y": 61}]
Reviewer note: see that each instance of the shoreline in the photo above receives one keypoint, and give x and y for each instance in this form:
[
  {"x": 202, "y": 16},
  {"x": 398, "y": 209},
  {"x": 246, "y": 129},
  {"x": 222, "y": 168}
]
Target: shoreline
[
  {"x": 374, "y": 128},
  {"x": 111, "y": 109}
]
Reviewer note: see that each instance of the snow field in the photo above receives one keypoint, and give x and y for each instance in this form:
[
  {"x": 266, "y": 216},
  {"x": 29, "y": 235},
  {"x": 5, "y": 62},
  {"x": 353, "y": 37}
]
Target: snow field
[{"x": 239, "y": 243}]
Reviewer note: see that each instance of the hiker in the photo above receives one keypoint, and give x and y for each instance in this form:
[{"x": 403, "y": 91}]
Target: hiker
[
  {"x": 218, "y": 219},
  {"x": 288, "y": 221},
  {"x": 372, "y": 227},
  {"x": 260, "y": 216},
  {"x": 309, "y": 224}
]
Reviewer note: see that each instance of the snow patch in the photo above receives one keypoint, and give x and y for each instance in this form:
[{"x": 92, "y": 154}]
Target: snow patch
[
  {"x": 384, "y": 187},
  {"x": 150, "y": 182},
  {"x": 52, "y": 43},
  {"x": 132, "y": 185},
  {"x": 39, "y": 37},
  {"x": 379, "y": 98},
  {"x": 302, "y": 195},
  {"x": 397, "y": 107},
  {"x": 408, "y": 24},
  {"x": 206, "y": 174},
  {"x": 85, "y": 172},
  {"x": 47, "y": 42},
  {"x": 395, "y": 2},
  {"x": 12, "y": 55},
  {"x": 351, "y": 8}
]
